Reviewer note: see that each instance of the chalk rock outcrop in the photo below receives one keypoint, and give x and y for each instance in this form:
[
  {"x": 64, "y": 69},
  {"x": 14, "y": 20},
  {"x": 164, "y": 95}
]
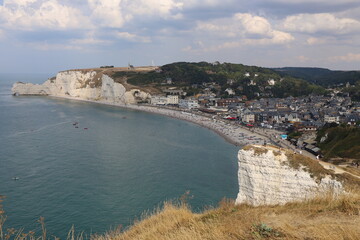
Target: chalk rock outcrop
[
  {"x": 268, "y": 176},
  {"x": 87, "y": 85}
]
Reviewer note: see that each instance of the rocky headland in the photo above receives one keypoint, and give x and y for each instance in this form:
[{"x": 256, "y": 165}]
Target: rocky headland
[
  {"x": 270, "y": 175},
  {"x": 91, "y": 84}
]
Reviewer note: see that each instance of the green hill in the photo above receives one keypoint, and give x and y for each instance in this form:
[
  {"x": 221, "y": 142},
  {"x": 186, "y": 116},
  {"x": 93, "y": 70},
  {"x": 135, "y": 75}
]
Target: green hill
[
  {"x": 321, "y": 76},
  {"x": 251, "y": 81}
]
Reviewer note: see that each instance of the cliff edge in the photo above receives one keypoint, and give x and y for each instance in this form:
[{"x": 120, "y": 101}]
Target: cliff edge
[
  {"x": 92, "y": 84},
  {"x": 270, "y": 175}
]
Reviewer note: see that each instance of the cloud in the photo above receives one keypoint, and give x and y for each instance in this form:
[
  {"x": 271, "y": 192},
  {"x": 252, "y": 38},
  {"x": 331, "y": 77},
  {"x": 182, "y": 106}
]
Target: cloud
[
  {"x": 350, "y": 57},
  {"x": 315, "y": 41},
  {"x": 118, "y": 13},
  {"x": 107, "y": 13},
  {"x": 166, "y": 9},
  {"x": 322, "y": 22},
  {"x": 132, "y": 37},
  {"x": 245, "y": 29},
  {"x": 39, "y": 14}
]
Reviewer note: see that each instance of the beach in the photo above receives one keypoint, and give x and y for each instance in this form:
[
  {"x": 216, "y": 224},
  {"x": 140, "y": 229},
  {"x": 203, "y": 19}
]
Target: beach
[{"x": 232, "y": 132}]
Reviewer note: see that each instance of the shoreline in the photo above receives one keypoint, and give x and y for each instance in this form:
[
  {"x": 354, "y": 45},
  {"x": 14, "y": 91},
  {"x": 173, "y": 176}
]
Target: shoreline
[{"x": 233, "y": 133}]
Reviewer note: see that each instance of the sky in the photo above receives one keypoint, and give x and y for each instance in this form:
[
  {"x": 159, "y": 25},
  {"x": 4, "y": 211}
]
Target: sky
[{"x": 53, "y": 35}]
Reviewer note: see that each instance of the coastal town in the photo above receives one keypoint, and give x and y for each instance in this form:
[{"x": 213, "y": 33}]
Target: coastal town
[{"x": 302, "y": 115}]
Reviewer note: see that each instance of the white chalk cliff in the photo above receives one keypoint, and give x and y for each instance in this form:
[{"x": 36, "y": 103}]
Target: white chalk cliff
[
  {"x": 87, "y": 85},
  {"x": 266, "y": 178}
]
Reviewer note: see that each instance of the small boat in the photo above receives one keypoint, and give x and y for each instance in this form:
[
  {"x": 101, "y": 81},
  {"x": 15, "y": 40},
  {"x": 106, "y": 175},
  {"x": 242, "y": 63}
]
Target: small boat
[
  {"x": 76, "y": 126},
  {"x": 15, "y": 178},
  {"x": 85, "y": 128}
]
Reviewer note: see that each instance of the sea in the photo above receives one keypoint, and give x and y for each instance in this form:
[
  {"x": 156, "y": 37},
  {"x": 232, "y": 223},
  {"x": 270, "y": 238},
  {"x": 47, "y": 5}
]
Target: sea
[{"x": 98, "y": 168}]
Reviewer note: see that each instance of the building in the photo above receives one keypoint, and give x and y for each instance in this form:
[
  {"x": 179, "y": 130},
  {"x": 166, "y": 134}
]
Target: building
[
  {"x": 158, "y": 100},
  {"x": 188, "y": 103},
  {"x": 173, "y": 99},
  {"x": 162, "y": 100},
  {"x": 329, "y": 118},
  {"x": 225, "y": 102}
]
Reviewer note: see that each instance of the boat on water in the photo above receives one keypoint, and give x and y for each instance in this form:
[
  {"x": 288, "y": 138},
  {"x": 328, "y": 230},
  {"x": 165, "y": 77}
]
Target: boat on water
[{"x": 15, "y": 178}]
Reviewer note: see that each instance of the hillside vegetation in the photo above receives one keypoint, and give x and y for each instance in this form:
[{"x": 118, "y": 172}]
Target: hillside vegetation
[
  {"x": 321, "y": 76},
  {"x": 340, "y": 141},
  {"x": 251, "y": 81}
]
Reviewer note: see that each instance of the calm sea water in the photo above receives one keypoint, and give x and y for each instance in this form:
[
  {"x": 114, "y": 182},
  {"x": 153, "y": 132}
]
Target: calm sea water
[{"x": 108, "y": 171}]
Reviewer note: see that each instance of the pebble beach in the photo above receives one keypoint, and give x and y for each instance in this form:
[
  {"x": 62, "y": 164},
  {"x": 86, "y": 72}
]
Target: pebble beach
[{"x": 230, "y": 131}]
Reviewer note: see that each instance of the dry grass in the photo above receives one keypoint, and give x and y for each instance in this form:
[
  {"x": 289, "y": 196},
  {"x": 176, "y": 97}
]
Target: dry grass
[
  {"x": 325, "y": 217},
  {"x": 322, "y": 218},
  {"x": 353, "y": 170},
  {"x": 257, "y": 150}
]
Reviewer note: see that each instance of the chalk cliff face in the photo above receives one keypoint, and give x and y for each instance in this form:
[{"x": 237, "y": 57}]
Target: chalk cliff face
[
  {"x": 267, "y": 177},
  {"x": 88, "y": 85}
]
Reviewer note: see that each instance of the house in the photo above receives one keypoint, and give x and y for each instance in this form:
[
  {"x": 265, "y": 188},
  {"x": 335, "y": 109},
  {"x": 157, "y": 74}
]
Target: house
[
  {"x": 230, "y": 91},
  {"x": 174, "y": 91},
  {"x": 248, "y": 118},
  {"x": 225, "y": 102},
  {"x": 352, "y": 119},
  {"x": 329, "y": 118},
  {"x": 169, "y": 80},
  {"x": 271, "y": 82}
]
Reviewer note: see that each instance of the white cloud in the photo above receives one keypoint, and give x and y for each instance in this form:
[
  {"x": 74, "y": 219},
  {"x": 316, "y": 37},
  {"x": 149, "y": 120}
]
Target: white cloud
[
  {"x": 350, "y": 57},
  {"x": 132, "y": 37},
  {"x": 167, "y": 9},
  {"x": 107, "y": 13},
  {"x": 246, "y": 29},
  {"x": 253, "y": 24},
  {"x": 35, "y": 14},
  {"x": 116, "y": 13},
  {"x": 322, "y": 22}
]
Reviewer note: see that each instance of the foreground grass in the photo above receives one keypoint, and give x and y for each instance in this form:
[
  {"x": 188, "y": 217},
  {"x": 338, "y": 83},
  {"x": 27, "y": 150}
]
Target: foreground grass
[
  {"x": 321, "y": 218},
  {"x": 325, "y": 217}
]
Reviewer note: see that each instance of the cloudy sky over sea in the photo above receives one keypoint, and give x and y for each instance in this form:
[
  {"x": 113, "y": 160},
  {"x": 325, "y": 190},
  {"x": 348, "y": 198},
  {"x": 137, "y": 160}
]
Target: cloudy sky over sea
[{"x": 54, "y": 35}]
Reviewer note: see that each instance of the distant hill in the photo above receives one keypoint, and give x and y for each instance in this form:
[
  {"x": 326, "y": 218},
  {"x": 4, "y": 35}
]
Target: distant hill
[
  {"x": 251, "y": 81},
  {"x": 321, "y": 76}
]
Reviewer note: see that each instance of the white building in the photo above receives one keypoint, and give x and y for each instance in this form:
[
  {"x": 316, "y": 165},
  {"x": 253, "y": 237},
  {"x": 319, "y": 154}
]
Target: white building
[
  {"x": 271, "y": 82},
  {"x": 230, "y": 91},
  {"x": 158, "y": 100},
  {"x": 248, "y": 118},
  {"x": 188, "y": 103},
  {"x": 331, "y": 118},
  {"x": 162, "y": 100},
  {"x": 172, "y": 99}
]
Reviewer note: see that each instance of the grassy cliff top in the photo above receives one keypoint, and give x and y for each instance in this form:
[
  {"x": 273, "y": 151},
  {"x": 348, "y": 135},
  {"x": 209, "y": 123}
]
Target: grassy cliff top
[{"x": 320, "y": 218}]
